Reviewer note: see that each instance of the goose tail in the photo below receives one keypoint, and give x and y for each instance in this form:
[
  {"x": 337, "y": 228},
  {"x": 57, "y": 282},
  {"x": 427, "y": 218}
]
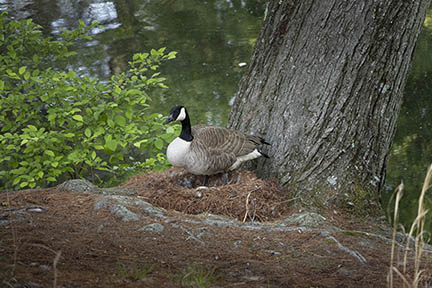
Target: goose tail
[
  {"x": 263, "y": 154},
  {"x": 263, "y": 141}
]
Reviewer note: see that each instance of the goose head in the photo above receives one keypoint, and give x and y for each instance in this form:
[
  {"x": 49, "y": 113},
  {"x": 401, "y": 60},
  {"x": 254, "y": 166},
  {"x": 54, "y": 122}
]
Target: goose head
[{"x": 177, "y": 113}]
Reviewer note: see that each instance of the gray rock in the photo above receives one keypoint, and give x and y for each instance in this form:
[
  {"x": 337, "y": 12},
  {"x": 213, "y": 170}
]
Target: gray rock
[
  {"x": 252, "y": 278},
  {"x": 124, "y": 213},
  {"x": 84, "y": 186},
  {"x": 310, "y": 219},
  {"x": 145, "y": 206},
  {"x": 36, "y": 209},
  {"x": 367, "y": 244},
  {"x": 153, "y": 228},
  {"x": 118, "y": 191},
  {"x": 101, "y": 203},
  {"x": 345, "y": 272},
  {"x": 217, "y": 220},
  {"x": 117, "y": 205},
  {"x": 79, "y": 186},
  {"x": 17, "y": 215},
  {"x": 5, "y": 222},
  {"x": 116, "y": 209}
]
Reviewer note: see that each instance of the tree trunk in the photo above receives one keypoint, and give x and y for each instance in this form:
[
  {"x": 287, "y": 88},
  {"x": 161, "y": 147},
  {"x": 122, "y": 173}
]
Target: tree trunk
[{"x": 324, "y": 86}]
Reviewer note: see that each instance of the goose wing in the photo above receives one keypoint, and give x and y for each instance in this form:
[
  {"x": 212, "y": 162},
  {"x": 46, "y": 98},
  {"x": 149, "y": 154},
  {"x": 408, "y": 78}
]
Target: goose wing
[
  {"x": 208, "y": 161},
  {"x": 223, "y": 140}
]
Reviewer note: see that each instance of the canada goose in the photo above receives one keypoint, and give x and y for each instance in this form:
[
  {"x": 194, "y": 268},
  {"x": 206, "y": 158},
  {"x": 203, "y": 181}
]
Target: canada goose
[{"x": 207, "y": 150}]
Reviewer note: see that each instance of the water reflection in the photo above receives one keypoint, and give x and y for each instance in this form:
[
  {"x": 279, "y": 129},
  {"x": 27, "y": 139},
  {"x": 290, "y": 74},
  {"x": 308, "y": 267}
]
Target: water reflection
[{"x": 213, "y": 38}]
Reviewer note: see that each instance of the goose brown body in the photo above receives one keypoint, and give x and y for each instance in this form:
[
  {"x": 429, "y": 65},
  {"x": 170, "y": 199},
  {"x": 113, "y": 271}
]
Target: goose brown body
[
  {"x": 220, "y": 148},
  {"x": 208, "y": 150}
]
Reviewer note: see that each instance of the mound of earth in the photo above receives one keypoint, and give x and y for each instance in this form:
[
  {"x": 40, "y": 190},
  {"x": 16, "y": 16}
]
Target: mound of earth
[{"x": 159, "y": 230}]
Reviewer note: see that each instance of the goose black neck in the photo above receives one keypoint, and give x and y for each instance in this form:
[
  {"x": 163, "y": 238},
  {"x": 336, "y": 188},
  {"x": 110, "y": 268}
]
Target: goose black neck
[{"x": 186, "y": 133}]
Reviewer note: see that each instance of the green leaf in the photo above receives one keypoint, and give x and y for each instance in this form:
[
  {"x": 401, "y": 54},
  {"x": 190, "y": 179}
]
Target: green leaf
[
  {"x": 111, "y": 145},
  {"x": 1, "y": 85},
  {"x": 99, "y": 130},
  {"x": 133, "y": 92},
  {"x": 87, "y": 132},
  {"x": 158, "y": 144},
  {"x": 138, "y": 144},
  {"x": 51, "y": 179},
  {"x": 12, "y": 74},
  {"x": 111, "y": 123},
  {"x": 172, "y": 55},
  {"x": 23, "y": 184},
  {"x": 129, "y": 114},
  {"x": 69, "y": 135},
  {"x": 22, "y": 70},
  {"x": 32, "y": 128},
  {"x": 49, "y": 153},
  {"x": 51, "y": 117},
  {"x": 170, "y": 130},
  {"x": 77, "y": 117},
  {"x": 117, "y": 90},
  {"x": 93, "y": 155},
  {"x": 74, "y": 110},
  {"x": 7, "y": 158},
  {"x": 16, "y": 181},
  {"x": 54, "y": 164},
  {"x": 120, "y": 120}
]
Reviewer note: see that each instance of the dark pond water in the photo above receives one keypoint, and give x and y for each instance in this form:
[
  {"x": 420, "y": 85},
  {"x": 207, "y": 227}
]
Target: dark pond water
[{"x": 213, "y": 40}]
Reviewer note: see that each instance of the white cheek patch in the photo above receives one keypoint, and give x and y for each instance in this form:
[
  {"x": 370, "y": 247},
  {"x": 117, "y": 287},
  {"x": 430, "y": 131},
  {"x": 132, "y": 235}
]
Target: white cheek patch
[{"x": 182, "y": 115}]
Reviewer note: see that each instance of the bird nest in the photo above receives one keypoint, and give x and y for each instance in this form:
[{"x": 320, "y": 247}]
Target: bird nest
[{"x": 246, "y": 197}]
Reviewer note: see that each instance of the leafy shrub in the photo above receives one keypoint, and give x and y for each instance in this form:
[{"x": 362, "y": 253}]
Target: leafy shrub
[{"x": 56, "y": 125}]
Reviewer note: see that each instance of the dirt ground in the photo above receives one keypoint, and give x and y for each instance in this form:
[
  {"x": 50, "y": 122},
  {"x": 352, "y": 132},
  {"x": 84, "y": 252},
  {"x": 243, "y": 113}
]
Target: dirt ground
[{"x": 65, "y": 237}]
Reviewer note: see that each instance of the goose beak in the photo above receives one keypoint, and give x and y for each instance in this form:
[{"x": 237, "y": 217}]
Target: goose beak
[{"x": 170, "y": 119}]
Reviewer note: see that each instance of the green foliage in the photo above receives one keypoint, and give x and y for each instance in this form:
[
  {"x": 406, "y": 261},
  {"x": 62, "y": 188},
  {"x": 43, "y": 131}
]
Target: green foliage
[
  {"x": 199, "y": 277},
  {"x": 412, "y": 146},
  {"x": 133, "y": 272},
  {"x": 55, "y": 124}
]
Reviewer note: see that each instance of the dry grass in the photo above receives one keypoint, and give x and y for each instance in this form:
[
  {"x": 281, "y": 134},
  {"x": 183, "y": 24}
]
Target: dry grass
[
  {"x": 417, "y": 228},
  {"x": 246, "y": 197}
]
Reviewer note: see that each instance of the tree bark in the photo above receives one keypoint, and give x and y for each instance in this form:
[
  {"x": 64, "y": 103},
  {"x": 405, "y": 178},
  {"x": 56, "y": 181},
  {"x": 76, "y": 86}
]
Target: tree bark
[{"x": 324, "y": 86}]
